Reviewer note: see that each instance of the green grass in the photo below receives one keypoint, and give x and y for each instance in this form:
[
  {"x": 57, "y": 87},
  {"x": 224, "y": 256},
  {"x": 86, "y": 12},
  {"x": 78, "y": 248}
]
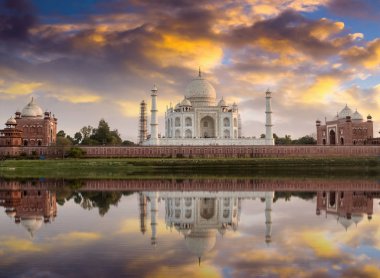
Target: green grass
[{"x": 121, "y": 168}]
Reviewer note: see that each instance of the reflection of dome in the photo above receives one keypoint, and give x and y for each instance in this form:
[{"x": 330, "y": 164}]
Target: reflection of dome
[
  {"x": 199, "y": 242},
  {"x": 346, "y": 223},
  {"x": 200, "y": 88},
  {"x": 357, "y": 218},
  {"x": 11, "y": 212},
  {"x": 11, "y": 121},
  {"x": 346, "y": 111},
  {"x": 357, "y": 116},
  {"x": 32, "y": 224},
  {"x": 32, "y": 110}
]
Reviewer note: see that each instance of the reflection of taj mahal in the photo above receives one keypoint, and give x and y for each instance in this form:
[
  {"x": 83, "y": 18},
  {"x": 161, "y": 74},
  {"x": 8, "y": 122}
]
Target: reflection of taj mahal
[
  {"x": 199, "y": 119},
  {"x": 200, "y": 216}
]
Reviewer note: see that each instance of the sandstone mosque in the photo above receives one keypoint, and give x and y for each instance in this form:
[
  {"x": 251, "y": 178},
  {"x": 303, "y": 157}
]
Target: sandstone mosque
[
  {"x": 346, "y": 128},
  {"x": 199, "y": 119},
  {"x": 30, "y": 127}
]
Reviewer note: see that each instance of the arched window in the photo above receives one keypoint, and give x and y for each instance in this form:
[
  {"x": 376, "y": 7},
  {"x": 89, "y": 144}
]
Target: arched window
[
  {"x": 188, "y": 133},
  {"x": 177, "y": 121},
  {"x": 39, "y": 143},
  {"x": 226, "y": 122},
  {"x": 341, "y": 141},
  {"x": 226, "y": 133},
  {"x": 226, "y": 213},
  {"x": 235, "y": 122},
  {"x": 188, "y": 121},
  {"x": 177, "y": 133},
  {"x": 25, "y": 142},
  {"x": 188, "y": 213},
  {"x": 235, "y": 133}
]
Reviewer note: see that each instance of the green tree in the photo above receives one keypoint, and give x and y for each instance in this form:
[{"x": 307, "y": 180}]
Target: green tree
[
  {"x": 104, "y": 136},
  {"x": 128, "y": 143},
  {"x": 78, "y": 138},
  {"x": 305, "y": 140}
]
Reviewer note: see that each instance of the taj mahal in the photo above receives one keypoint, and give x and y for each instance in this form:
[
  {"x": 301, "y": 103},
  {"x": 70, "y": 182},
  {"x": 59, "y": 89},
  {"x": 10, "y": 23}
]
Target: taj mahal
[{"x": 199, "y": 119}]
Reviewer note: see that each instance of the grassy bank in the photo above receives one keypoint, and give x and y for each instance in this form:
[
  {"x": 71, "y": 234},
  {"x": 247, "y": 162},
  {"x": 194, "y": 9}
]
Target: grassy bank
[{"x": 148, "y": 168}]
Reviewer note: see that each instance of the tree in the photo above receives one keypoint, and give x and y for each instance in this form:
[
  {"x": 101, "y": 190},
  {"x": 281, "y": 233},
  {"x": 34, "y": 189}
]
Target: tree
[
  {"x": 78, "y": 138},
  {"x": 61, "y": 133},
  {"x": 128, "y": 143},
  {"x": 102, "y": 135},
  {"x": 86, "y": 131},
  {"x": 305, "y": 140}
]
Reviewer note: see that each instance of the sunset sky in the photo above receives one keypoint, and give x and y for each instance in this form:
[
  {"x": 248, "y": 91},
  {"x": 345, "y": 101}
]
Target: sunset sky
[{"x": 91, "y": 59}]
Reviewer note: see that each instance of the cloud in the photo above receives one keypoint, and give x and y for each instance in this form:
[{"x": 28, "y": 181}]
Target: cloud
[
  {"x": 367, "y": 56},
  {"x": 16, "y": 19},
  {"x": 363, "y": 9},
  {"x": 20, "y": 88}
]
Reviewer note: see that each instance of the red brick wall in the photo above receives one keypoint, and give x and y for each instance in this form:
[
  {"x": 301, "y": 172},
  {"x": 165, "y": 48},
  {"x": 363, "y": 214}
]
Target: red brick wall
[{"x": 206, "y": 151}]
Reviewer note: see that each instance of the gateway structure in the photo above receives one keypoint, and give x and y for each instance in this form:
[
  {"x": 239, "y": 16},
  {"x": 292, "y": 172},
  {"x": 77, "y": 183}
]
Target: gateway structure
[{"x": 199, "y": 119}]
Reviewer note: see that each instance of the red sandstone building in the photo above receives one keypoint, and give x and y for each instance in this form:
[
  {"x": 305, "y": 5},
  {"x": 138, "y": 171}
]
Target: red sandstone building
[
  {"x": 347, "y": 128},
  {"x": 31, "y": 127}
]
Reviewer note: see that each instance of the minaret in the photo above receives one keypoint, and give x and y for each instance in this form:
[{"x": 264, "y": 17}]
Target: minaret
[
  {"x": 143, "y": 122},
  {"x": 153, "y": 216},
  {"x": 268, "y": 217},
  {"x": 268, "y": 113},
  {"x": 153, "y": 121},
  {"x": 142, "y": 202}
]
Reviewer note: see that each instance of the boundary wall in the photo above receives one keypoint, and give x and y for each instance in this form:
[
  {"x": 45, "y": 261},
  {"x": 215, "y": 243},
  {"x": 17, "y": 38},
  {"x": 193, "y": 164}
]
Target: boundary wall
[{"x": 200, "y": 151}]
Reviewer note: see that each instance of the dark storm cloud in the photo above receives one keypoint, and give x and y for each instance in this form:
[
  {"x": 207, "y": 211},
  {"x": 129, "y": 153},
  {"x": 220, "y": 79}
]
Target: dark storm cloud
[
  {"x": 16, "y": 19},
  {"x": 290, "y": 27}
]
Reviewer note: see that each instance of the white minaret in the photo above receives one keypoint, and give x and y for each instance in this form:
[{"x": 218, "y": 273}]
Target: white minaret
[
  {"x": 268, "y": 113},
  {"x": 153, "y": 216},
  {"x": 268, "y": 216},
  {"x": 153, "y": 121}
]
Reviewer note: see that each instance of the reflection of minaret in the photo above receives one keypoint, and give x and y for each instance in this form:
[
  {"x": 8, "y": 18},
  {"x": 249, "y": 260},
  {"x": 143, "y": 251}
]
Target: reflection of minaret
[
  {"x": 153, "y": 216},
  {"x": 142, "y": 202},
  {"x": 268, "y": 217}
]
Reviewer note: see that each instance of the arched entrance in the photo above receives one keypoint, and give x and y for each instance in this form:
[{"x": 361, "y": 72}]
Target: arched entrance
[
  {"x": 332, "y": 137},
  {"x": 207, "y": 208},
  {"x": 207, "y": 129}
]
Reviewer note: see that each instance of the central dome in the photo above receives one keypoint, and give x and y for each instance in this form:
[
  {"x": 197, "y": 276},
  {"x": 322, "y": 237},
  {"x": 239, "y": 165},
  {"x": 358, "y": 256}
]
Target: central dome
[
  {"x": 201, "y": 91},
  {"x": 32, "y": 110}
]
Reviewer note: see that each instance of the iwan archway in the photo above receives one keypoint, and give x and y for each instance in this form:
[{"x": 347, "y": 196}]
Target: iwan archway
[{"x": 207, "y": 127}]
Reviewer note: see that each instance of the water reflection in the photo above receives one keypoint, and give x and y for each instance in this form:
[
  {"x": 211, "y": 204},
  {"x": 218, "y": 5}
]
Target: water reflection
[
  {"x": 262, "y": 227},
  {"x": 200, "y": 216},
  {"x": 31, "y": 208}
]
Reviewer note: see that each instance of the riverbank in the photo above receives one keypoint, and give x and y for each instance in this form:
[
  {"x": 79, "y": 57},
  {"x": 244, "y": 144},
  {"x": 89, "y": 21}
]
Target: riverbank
[{"x": 116, "y": 168}]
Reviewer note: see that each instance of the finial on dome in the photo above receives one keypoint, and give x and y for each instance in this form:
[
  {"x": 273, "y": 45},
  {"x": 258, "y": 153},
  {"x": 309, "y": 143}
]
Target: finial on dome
[{"x": 199, "y": 72}]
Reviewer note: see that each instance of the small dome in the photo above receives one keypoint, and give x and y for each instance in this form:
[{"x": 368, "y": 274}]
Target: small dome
[
  {"x": 200, "y": 88},
  {"x": 10, "y": 212},
  {"x": 32, "y": 224},
  {"x": 32, "y": 110},
  {"x": 346, "y": 223},
  {"x": 222, "y": 103},
  {"x": 346, "y": 111},
  {"x": 11, "y": 121},
  {"x": 185, "y": 102},
  {"x": 369, "y": 117},
  {"x": 357, "y": 218},
  {"x": 356, "y": 116}
]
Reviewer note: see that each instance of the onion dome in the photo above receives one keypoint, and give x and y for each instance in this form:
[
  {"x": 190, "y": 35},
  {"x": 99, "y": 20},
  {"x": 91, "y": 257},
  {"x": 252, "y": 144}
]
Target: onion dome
[
  {"x": 200, "y": 90},
  {"x": 346, "y": 223},
  {"x": 185, "y": 102},
  {"x": 222, "y": 103},
  {"x": 32, "y": 225},
  {"x": 369, "y": 117},
  {"x": 32, "y": 110},
  {"x": 357, "y": 218},
  {"x": 199, "y": 242},
  {"x": 11, "y": 121},
  {"x": 357, "y": 116},
  {"x": 346, "y": 111}
]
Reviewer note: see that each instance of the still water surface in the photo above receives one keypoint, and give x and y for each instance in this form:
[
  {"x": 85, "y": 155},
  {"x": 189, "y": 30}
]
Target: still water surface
[{"x": 267, "y": 228}]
